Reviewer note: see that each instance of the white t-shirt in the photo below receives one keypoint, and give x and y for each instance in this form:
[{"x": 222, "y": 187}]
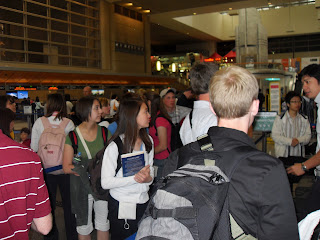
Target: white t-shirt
[{"x": 202, "y": 119}]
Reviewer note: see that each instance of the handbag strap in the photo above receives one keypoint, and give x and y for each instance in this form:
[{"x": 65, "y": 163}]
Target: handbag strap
[{"x": 83, "y": 143}]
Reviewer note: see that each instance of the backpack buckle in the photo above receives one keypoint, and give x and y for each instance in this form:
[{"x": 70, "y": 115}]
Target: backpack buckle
[{"x": 205, "y": 143}]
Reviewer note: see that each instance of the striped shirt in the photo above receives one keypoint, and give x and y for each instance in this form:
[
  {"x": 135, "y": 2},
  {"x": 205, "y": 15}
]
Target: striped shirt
[
  {"x": 284, "y": 129},
  {"x": 23, "y": 193}
]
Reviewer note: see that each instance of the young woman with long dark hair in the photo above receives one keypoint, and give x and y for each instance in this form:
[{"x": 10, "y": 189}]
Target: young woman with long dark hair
[{"x": 128, "y": 193}]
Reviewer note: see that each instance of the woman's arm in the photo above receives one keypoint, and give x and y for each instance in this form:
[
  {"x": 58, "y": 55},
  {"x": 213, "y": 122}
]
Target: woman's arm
[
  {"x": 37, "y": 129},
  {"x": 108, "y": 170},
  {"x": 67, "y": 160},
  {"x": 163, "y": 143}
]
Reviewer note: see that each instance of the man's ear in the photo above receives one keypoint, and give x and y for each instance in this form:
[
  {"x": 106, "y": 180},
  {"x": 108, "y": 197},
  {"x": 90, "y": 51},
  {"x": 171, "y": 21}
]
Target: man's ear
[
  {"x": 211, "y": 108},
  {"x": 254, "y": 109}
]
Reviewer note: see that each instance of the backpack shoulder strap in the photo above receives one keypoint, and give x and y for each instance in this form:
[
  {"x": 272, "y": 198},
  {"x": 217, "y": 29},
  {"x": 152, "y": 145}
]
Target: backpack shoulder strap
[
  {"x": 105, "y": 135},
  {"x": 64, "y": 123},
  {"x": 45, "y": 122},
  {"x": 190, "y": 118},
  {"x": 74, "y": 141},
  {"x": 238, "y": 153},
  {"x": 119, "y": 143}
]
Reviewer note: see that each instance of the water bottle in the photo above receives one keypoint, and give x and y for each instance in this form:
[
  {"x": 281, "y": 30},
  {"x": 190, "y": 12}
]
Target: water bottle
[{"x": 77, "y": 159}]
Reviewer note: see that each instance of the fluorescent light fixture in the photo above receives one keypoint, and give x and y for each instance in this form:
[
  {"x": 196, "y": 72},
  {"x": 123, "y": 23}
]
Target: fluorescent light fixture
[
  {"x": 174, "y": 67},
  {"x": 272, "y": 79},
  {"x": 158, "y": 65}
]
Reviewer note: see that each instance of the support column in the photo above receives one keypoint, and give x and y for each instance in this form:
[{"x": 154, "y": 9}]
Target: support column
[
  {"x": 106, "y": 13},
  {"x": 147, "y": 44}
]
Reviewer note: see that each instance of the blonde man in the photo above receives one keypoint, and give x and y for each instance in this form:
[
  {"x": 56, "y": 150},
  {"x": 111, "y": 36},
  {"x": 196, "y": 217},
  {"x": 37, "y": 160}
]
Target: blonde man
[
  {"x": 105, "y": 115},
  {"x": 260, "y": 201}
]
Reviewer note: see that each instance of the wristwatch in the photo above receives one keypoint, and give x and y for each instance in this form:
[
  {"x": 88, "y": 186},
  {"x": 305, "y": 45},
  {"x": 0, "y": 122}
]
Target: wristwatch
[{"x": 303, "y": 167}]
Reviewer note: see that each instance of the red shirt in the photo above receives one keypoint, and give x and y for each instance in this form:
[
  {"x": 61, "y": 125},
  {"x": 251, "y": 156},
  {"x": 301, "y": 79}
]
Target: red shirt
[
  {"x": 23, "y": 193},
  {"x": 26, "y": 142},
  {"x": 161, "y": 122}
]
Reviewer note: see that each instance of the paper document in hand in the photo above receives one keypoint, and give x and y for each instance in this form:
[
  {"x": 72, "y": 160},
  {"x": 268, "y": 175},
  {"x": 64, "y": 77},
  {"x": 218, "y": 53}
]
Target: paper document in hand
[{"x": 132, "y": 163}]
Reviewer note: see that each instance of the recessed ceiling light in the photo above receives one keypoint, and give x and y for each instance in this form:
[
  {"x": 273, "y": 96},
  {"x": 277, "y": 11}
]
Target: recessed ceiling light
[
  {"x": 146, "y": 11},
  {"x": 194, "y": 13},
  {"x": 230, "y": 8},
  {"x": 138, "y": 8},
  {"x": 269, "y": 3},
  {"x": 128, "y": 4}
]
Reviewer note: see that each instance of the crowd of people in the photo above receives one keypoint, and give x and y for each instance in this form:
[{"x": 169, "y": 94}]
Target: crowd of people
[{"x": 163, "y": 126}]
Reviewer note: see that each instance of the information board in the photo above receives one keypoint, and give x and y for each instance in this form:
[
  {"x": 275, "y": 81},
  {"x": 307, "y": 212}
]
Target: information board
[{"x": 263, "y": 121}]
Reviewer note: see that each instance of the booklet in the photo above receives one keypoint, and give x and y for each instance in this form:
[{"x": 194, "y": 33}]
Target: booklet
[{"x": 132, "y": 163}]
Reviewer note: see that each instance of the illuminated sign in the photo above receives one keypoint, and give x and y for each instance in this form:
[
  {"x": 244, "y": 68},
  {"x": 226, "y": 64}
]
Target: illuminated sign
[
  {"x": 53, "y": 88},
  {"x": 25, "y": 88}
]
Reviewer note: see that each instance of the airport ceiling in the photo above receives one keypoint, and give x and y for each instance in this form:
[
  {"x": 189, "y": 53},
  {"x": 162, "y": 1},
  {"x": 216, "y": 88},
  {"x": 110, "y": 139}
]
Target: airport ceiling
[{"x": 166, "y": 31}]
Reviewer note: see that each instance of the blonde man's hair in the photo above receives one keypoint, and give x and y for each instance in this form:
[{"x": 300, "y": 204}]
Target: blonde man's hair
[
  {"x": 232, "y": 91},
  {"x": 104, "y": 102}
]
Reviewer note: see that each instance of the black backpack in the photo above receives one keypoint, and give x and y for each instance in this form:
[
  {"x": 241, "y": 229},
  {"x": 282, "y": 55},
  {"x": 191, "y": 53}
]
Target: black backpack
[
  {"x": 192, "y": 202},
  {"x": 175, "y": 141},
  {"x": 95, "y": 165}
]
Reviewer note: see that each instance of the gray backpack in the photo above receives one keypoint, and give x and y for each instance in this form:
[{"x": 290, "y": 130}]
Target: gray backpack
[{"x": 192, "y": 202}]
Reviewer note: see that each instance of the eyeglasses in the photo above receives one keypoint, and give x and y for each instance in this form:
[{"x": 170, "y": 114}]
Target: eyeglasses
[{"x": 295, "y": 101}]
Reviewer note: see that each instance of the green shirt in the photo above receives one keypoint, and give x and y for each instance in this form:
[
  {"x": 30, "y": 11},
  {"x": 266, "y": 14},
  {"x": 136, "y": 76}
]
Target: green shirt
[
  {"x": 78, "y": 189},
  {"x": 94, "y": 147}
]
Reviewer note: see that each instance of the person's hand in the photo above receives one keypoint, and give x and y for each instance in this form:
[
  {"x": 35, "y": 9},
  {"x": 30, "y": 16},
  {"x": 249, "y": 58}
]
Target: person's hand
[
  {"x": 295, "y": 169},
  {"x": 143, "y": 176},
  {"x": 294, "y": 142}
]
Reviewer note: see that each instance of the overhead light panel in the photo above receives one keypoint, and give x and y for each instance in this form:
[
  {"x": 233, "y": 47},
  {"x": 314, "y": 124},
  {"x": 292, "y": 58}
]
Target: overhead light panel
[{"x": 272, "y": 79}]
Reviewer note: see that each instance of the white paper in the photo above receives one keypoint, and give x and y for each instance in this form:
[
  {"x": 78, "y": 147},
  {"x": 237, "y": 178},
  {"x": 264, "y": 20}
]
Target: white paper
[{"x": 127, "y": 211}]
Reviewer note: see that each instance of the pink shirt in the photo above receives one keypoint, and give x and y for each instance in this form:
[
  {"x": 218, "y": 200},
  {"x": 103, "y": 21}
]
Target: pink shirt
[{"x": 161, "y": 122}]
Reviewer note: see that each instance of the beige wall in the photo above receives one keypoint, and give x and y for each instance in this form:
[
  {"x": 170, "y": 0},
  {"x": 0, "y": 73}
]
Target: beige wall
[
  {"x": 118, "y": 28},
  {"x": 303, "y": 19},
  {"x": 300, "y": 20},
  {"x": 131, "y": 31}
]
